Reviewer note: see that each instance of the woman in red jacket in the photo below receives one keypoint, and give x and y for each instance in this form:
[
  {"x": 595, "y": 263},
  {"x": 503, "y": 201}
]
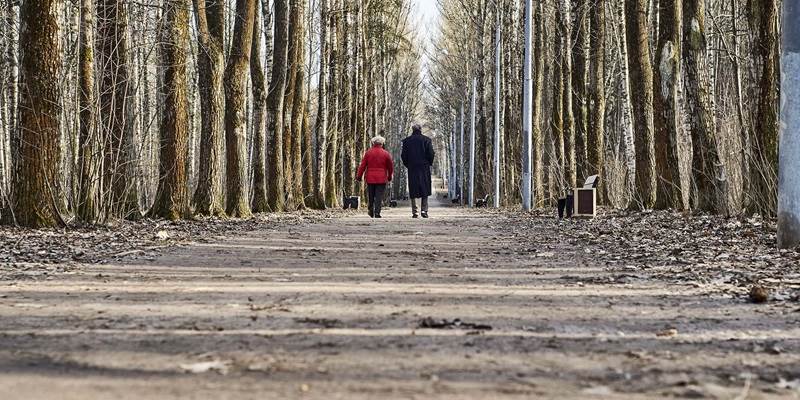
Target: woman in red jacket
[{"x": 379, "y": 168}]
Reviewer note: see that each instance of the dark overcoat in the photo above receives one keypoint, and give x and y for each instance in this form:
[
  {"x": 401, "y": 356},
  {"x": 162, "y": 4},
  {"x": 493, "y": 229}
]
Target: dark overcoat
[{"x": 418, "y": 157}]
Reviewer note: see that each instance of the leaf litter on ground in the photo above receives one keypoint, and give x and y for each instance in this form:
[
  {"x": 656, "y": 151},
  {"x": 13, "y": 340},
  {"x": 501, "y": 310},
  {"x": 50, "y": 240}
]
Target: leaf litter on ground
[
  {"x": 37, "y": 254},
  {"x": 734, "y": 255}
]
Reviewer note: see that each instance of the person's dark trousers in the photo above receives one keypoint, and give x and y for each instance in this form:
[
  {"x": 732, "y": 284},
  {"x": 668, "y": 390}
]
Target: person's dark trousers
[
  {"x": 375, "y": 193},
  {"x": 424, "y": 205}
]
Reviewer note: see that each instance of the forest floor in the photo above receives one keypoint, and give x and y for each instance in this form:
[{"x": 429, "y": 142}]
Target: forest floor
[{"x": 465, "y": 305}]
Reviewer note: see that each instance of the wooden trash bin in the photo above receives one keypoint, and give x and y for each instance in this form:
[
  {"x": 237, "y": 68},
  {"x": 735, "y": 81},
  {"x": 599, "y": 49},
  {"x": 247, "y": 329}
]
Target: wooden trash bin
[{"x": 585, "y": 198}]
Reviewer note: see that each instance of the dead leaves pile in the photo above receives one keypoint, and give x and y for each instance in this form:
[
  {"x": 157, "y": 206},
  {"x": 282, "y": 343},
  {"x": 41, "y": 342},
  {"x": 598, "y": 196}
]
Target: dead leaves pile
[
  {"x": 38, "y": 254},
  {"x": 665, "y": 246}
]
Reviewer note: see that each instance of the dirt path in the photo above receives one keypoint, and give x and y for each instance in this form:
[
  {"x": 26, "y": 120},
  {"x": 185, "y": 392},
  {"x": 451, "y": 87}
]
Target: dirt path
[{"x": 333, "y": 310}]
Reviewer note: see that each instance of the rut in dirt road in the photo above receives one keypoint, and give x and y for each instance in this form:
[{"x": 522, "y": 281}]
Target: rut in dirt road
[{"x": 353, "y": 308}]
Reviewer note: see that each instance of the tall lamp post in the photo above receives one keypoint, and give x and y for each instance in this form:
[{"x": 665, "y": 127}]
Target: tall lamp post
[
  {"x": 789, "y": 157},
  {"x": 527, "y": 101}
]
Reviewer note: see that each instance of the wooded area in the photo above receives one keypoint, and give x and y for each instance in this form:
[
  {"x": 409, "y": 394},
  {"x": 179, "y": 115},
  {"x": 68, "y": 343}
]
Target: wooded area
[
  {"x": 169, "y": 108},
  {"x": 674, "y": 103}
]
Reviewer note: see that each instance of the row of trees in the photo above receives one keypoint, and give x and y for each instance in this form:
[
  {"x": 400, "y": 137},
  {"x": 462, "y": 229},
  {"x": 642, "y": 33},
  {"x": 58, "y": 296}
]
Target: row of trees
[
  {"x": 673, "y": 102},
  {"x": 175, "y": 108}
]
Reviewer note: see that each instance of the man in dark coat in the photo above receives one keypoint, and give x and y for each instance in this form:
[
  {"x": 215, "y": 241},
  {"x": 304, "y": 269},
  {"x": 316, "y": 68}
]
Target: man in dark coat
[{"x": 418, "y": 157}]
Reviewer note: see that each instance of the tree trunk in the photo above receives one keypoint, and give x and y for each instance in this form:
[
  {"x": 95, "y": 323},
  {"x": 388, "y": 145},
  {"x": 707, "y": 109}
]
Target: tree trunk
[
  {"x": 8, "y": 14},
  {"x": 536, "y": 119},
  {"x": 295, "y": 24},
  {"x": 666, "y": 106},
  {"x": 119, "y": 184},
  {"x": 570, "y": 171},
  {"x": 763, "y": 168},
  {"x": 580, "y": 77},
  {"x": 641, "y": 83},
  {"x": 558, "y": 183},
  {"x": 235, "y": 116},
  {"x": 347, "y": 134},
  {"x": 596, "y": 148},
  {"x": 258, "y": 82},
  {"x": 322, "y": 112},
  {"x": 331, "y": 186},
  {"x": 624, "y": 101},
  {"x": 210, "y": 17},
  {"x": 87, "y": 201},
  {"x": 299, "y": 100},
  {"x": 172, "y": 198},
  {"x": 710, "y": 192},
  {"x": 36, "y": 166},
  {"x": 276, "y": 194}
]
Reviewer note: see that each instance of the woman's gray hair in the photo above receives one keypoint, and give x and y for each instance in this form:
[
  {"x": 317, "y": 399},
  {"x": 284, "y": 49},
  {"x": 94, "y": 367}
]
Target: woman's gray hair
[{"x": 378, "y": 140}]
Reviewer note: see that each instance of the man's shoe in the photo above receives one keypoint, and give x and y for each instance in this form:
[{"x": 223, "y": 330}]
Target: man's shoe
[
  {"x": 378, "y": 216},
  {"x": 370, "y": 214},
  {"x": 424, "y": 215},
  {"x": 414, "y": 216}
]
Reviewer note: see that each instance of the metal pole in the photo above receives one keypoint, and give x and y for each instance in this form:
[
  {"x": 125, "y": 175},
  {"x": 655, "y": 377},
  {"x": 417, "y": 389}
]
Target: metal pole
[
  {"x": 472, "y": 145},
  {"x": 497, "y": 121},
  {"x": 461, "y": 164},
  {"x": 789, "y": 157},
  {"x": 527, "y": 101},
  {"x": 453, "y": 160}
]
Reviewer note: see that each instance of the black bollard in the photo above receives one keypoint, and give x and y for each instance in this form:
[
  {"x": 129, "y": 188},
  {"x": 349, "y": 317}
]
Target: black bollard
[
  {"x": 562, "y": 205},
  {"x": 570, "y": 205}
]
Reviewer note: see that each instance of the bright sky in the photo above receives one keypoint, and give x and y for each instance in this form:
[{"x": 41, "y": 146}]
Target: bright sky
[{"x": 426, "y": 16}]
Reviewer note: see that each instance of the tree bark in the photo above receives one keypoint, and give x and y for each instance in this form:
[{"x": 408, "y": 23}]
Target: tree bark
[
  {"x": 570, "y": 166},
  {"x": 666, "y": 105},
  {"x": 596, "y": 148},
  {"x": 710, "y": 192},
  {"x": 298, "y": 122},
  {"x": 36, "y": 166},
  {"x": 321, "y": 127},
  {"x": 580, "y": 77},
  {"x": 763, "y": 167},
  {"x": 210, "y": 18},
  {"x": 276, "y": 195},
  {"x": 238, "y": 66},
  {"x": 331, "y": 184},
  {"x": 258, "y": 82},
  {"x": 288, "y": 109},
  {"x": 87, "y": 201},
  {"x": 641, "y": 82},
  {"x": 536, "y": 120},
  {"x": 172, "y": 198},
  {"x": 119, "y": 184}
]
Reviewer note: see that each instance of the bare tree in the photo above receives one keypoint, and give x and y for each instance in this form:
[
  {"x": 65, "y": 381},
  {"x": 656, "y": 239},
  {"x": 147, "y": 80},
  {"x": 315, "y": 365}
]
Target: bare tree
[
  {"x": 87, "y": 200},
  {"x": 118, "y": 142},
  {"x": 172, "y": 198},
  {"x": 35, "y": 194},
  {"x": 210, "y": 17},
  {"x": 596, "y": 148},
  {"x": 238, "y": 204},
  {"x": 763, "y": 168},
  {"x": 710, "y": 180},
  {"x": 641, "y": 73},
  {"x": 666, "y": 105},
  {"x": 258, "y": 82},
  {"x": 276, "y": 195}
]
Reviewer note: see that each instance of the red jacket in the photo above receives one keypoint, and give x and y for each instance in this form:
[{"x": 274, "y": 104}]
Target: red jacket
[{"x": 378, "y": 165}]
